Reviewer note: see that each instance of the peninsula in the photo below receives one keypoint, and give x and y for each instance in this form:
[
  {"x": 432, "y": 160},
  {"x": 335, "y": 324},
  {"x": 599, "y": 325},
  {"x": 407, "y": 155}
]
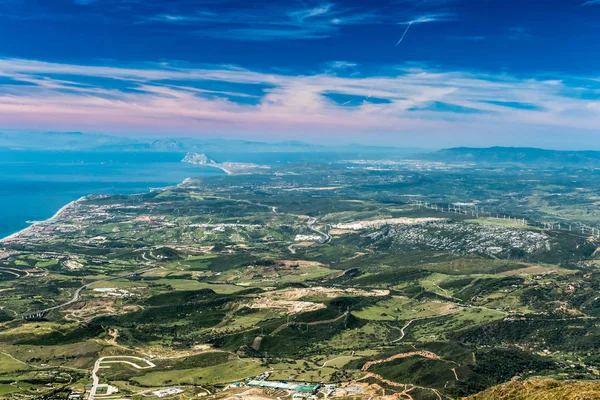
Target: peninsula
[{"x": 230, "y": 168}]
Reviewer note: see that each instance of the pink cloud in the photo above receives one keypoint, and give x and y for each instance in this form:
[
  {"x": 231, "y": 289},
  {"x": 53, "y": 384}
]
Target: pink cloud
[{"x": 290, "y": 106}]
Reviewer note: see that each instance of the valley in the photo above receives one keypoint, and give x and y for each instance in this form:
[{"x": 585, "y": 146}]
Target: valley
[{"x": 310, "y": 280}]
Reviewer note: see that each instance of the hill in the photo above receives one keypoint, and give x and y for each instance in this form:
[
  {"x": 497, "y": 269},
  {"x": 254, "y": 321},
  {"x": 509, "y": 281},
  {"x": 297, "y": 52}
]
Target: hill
[
  {"x": 524, "y": 155},
  {"x": 545, "y": 389},
  {"x": 198, "y": 159}
]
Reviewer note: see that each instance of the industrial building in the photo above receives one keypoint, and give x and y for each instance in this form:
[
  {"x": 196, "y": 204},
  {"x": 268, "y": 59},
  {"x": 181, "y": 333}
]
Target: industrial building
[{"x": 285, "y": 386}]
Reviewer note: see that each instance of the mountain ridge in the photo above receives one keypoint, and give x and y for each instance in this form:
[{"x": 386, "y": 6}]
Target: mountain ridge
[{"x": 525, "y": 155}]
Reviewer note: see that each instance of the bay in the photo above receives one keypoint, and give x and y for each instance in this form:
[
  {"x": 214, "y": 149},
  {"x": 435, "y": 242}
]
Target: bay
[{"x": 35, "y": 184}]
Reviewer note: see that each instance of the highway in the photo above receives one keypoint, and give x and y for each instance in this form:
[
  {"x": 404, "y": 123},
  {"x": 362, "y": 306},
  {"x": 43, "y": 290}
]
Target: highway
[
  {"x": 77, "y": 294},
  {"x": 311, "y": 225}
]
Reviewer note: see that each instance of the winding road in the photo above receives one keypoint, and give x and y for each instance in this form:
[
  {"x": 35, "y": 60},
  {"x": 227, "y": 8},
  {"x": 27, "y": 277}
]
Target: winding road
[
  {"x": 112, "y": 360},
  {"x": 312, "y": 221},
  {"x": 334, "y": 359},
  {"x": 77, "y": 294},
  {"x": 13, "y": 271},
  {"x": 402, "y": 331},
  {"x": 293, "y": 323}
]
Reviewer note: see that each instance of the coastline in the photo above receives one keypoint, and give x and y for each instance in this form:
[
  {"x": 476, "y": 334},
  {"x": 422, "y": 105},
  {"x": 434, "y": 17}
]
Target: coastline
[
  {"x": 36, "y": 224},
  {"x": 211, "y": 165},
  {"x": 50, "y": 220},
  {"x": 57, "y": 215},
  {"x": 59, "y": 177}
]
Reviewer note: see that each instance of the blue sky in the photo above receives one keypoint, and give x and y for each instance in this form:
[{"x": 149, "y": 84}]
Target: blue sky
[{"x": 466, "y": 72}]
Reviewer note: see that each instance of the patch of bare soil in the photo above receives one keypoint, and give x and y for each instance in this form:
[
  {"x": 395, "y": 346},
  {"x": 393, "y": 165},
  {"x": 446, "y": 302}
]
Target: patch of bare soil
[
  {"x": 286, "y": 306},
  {"x": 289, "y": 300},
  {"x": 422, "y": 353},
  {"x": 448, "y": 308},
  {"x": 378, "y": 223},
  {"x": 257, "y": 342},
  {"x": 113, "y": 334},
  {"x": 96, "y": 307},
  {"x": 336, "y": 232},
  {"x": 251, "y": 394},
  {"x": 319, "y": 291},
  {"x": 533, "y": 270},
  {"x": 298, "y": 264}
]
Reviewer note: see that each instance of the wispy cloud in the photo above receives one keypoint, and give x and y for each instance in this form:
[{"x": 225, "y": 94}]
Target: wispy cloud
[
  {"x": 426, "y": 18},
  {"x": 591, "y": 3},
  {"x": 423, "y": 19},
  {"x": 167, "y": 98},
  {"x": 342, "y": 64},
  {"x": 180, "y": 18},
  {"x": 518, "y": 32},
  {"x": 242, "y": 21},
  {"x": 404, "y": 34},
  {"x": 258, "y": 21},
  {"x": 466, "y": 37}
]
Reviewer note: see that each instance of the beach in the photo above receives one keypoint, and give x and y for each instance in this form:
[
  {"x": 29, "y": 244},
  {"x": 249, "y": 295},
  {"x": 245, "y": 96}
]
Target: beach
[
  {"x": 52, "y": 219},
  {"x": 35, "y": 184}
]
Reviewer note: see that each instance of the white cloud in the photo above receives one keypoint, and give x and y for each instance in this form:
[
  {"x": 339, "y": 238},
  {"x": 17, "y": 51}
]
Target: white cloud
[
  {"x": 425, "y": 18},
  {"x": 467, "y": 38},
  {"x": 591, "y": 3},
  {"x": 179, "y": 18},
  {"x": 167, "y": 98},
  {"x": 257, "y": 21}
]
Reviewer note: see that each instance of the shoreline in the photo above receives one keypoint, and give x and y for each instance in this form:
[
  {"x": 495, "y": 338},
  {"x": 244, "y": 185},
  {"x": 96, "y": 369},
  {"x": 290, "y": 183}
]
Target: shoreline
[
  {"x": 217, "y": 166},
  {"x": 58, "y": 213},
  {"x": 61, "y": 210},
  {"x": 50, "y": 220}
]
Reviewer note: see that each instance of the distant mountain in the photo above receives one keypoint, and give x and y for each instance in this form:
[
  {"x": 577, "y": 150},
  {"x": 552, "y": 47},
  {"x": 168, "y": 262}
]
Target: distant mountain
[
  {"x": 167, "y": 145},
  {"x": 59, "y": 141},
  {"x": 78, "y": 141},
  {"x": 523, "y": 155}
]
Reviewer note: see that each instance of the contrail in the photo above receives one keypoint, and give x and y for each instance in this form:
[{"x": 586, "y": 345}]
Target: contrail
[{"x": 404, "y": 34}]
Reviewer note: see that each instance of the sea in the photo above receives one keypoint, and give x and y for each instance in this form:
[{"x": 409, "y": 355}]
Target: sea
[{"x": 36, "y": 184}]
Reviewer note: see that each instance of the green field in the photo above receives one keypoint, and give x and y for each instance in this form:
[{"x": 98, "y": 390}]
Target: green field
[
  {"x": 237, "y": 275},
  {"x": 224, "y": 373}
]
